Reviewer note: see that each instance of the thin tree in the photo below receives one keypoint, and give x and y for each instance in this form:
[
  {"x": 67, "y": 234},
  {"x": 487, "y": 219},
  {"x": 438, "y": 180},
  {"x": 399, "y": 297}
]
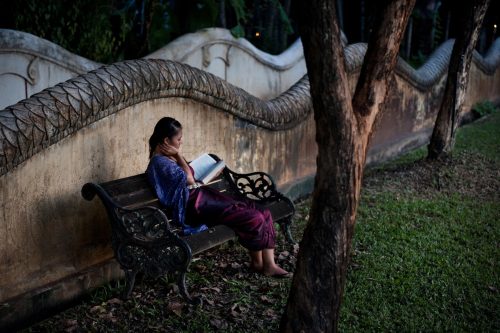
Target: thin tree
[
  {"x": 343, "y": 128},
  {"x": 448, "y": 118}
]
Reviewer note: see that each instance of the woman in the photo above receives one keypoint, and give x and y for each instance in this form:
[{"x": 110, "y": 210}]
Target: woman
[{"x": 175, "y": 185}]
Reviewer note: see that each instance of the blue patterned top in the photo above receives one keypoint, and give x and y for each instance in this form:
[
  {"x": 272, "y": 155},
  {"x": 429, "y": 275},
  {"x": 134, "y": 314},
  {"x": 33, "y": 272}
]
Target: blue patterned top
[{"x": 170, "y": 183}]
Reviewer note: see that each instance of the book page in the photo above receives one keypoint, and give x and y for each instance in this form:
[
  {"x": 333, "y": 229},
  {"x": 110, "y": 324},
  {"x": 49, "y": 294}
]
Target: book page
[
  {"x": 206, "y": 168},
  {"x": 213, "y": 172}
]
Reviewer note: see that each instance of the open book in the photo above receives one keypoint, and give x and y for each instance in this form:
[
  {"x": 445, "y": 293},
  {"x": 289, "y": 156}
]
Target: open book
[{"x": 206, "y": 168}]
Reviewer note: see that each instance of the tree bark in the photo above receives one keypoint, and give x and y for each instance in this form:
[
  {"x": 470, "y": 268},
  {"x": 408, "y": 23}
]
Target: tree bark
[
  {"x": 343, "y": 128},
  {"x": 137, "y": 42},
  {"x": 448, "y": 118},
  {"x": 409, "y": 35},
  {"x": 222, "y": 13}
]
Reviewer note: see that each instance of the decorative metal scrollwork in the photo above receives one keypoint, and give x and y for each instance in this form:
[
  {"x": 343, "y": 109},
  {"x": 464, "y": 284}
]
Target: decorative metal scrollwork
[
  {"x": 155, "y": 260},
  {"x": 256, "y": 186},
  {"x": 143, "y": 242},
  {"x": 143, "y": 224}
]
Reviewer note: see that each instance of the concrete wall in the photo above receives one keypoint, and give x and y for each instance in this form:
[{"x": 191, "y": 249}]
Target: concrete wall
[
  {"x": 54, "y": 245},
  {"x": 415, "y": 97}
]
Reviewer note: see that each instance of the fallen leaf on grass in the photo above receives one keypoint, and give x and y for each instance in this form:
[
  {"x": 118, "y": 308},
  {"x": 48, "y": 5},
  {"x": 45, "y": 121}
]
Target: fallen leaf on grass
[
  {"x": 174, "y": 289},
  {"x": 71, "y": 329},
  {"x": 176, "y": 308},
  {"x": 115, "y": 301},
  {"x": 70, "y": 322},
  {"x": 219, "y": 324},
  {"x": 109, "y": 317},
  {"x": 283, "y": 255},
  {"x": 235, "y": 265},
  {"x": 70, "y": 325},
  {"x": 216, "y": 289},
  {"x": 238, "y": 310},
  {"x": 270, "y": 313},
  {"x": 266, "y": 300},
  {"x": 97, "y": 308}
]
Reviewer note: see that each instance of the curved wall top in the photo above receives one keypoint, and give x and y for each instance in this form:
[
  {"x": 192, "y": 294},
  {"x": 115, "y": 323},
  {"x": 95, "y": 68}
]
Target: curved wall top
[
  {"x": 23, "y": 42},
  {"x": 182, "y": 48},
  {"x": 29, "y": 64},
  {"x": 437, "y": 64},
  {"x": 237, "y": 61},
  {"x": 217, "y": 51}
]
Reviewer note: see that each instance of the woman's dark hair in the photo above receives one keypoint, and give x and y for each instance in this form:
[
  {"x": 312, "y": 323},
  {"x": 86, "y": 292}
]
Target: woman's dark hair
[{"x": 166, "y": 127}]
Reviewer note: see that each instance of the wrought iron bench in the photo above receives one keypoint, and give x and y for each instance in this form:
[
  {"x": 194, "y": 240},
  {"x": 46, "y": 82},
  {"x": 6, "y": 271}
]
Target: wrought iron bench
[{"x": 144, "y": 238}]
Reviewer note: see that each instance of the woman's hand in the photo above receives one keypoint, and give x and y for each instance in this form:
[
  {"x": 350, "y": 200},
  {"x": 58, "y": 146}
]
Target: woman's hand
[
  {"x": 168, "y": 150},
  {"x": 175, "y": 154}
]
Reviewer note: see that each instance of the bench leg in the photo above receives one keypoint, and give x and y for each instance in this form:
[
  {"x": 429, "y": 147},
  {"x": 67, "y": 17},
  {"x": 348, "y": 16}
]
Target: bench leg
[
  {"x": 285, "y": 226},
  {"x": 180, "y": 260},
  {"x": 130, "y": 282},
  {"x": 181, "y": 282}
]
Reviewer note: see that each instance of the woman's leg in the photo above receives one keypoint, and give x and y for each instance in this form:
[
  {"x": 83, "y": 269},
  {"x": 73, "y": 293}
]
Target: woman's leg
[{"x": 256, "y": 262}]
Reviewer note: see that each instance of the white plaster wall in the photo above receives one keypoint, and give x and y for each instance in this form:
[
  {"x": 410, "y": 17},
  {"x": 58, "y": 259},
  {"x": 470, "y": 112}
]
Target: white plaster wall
[
  {"x": 29, "y": 64},
  {"x": 237, "y": 61}
]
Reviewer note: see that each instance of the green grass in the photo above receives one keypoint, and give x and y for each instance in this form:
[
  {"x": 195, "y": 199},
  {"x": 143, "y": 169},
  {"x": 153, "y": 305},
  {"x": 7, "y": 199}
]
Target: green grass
[
  {"x": 424, "y": 265},
  {"x": 428, "y": 263},
  {"x": 482, "y": 137}
]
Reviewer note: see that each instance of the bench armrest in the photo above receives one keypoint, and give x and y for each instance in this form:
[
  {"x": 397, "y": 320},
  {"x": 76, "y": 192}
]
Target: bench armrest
[
  {"x": 144, "y": 224},
  {"x": 258, "y": 186}
]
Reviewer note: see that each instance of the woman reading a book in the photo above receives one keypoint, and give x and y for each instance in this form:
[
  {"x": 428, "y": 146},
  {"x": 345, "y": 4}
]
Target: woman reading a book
[{"x": 176, "y": 187}]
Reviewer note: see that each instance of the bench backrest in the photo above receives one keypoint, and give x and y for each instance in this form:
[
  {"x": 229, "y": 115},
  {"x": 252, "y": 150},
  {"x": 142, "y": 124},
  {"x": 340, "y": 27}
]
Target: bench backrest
[
  {"x": 135, "y": 191},
  {"x": 131, "y": 192}
]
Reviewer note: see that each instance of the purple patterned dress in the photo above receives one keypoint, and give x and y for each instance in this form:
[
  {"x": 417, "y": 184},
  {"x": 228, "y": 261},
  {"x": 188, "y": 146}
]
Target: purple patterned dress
[{"x": 205, "y": 206}]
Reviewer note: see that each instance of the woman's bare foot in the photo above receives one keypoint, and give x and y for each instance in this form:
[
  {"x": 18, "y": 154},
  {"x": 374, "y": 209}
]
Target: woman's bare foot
[{"x": 275, "y": 271}]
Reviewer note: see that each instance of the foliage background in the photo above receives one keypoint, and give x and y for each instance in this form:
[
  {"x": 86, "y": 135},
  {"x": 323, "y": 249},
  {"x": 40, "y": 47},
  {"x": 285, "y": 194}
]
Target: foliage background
[{"x": 112, "y": 30}]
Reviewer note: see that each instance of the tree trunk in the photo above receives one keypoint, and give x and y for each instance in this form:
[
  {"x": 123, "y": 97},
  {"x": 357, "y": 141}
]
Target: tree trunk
[
  {"x": 448, "y": 118},
  {"x": 362, "y": 21},
  {"x": 283, "y": 31},
  {"x": 343, "y": 128},
  {"x": 435, "y": 14},
  {"x": 222, "y": 14},
  {"x": 409, "y": 35},
  {"x": 340, "y": 13},
  {"x": 137, "y": 44}
]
